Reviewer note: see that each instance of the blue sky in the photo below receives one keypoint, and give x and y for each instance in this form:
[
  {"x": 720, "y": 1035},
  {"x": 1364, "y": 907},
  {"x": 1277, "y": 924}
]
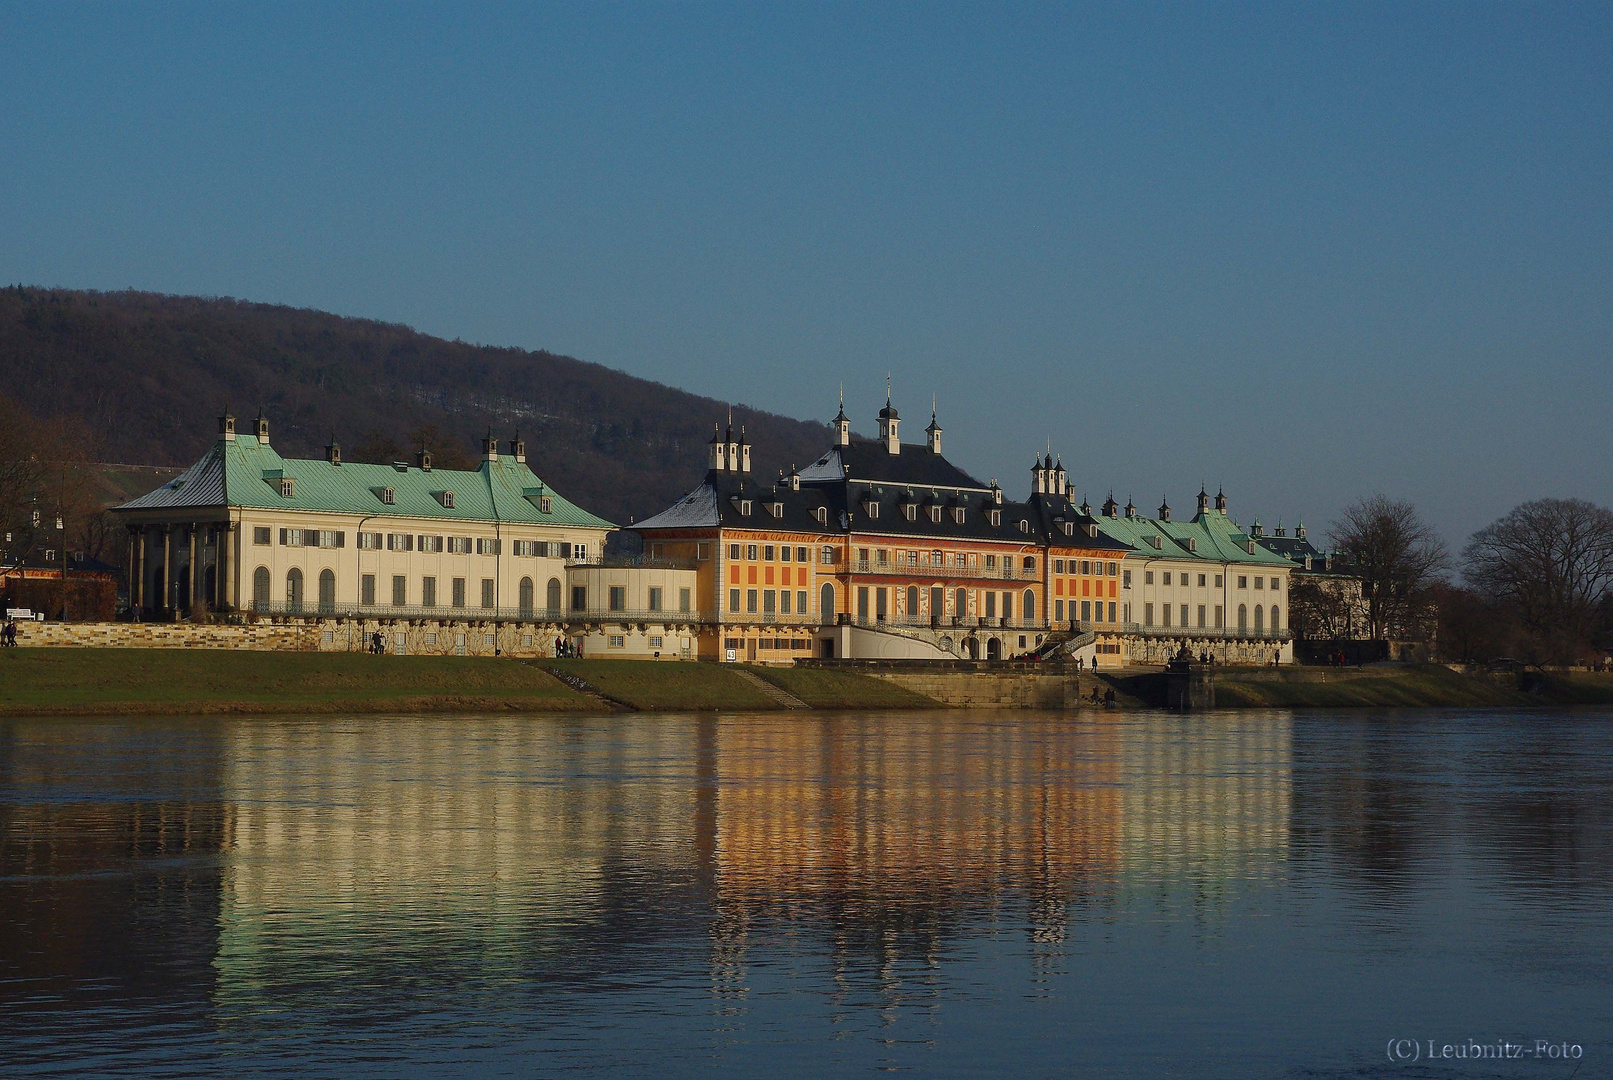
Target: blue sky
[{"x": 1307, "y": 252}]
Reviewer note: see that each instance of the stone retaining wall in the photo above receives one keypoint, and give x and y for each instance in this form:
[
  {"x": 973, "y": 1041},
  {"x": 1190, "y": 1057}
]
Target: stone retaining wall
[
  {"x": 429, "y": 638},
  {"x": 990, "y": 690}
]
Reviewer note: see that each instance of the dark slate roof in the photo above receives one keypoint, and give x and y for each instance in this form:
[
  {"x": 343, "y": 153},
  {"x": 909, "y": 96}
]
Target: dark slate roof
[
  {"x": 867, "y": 459},
  {"x": 1054, "y": 511}
]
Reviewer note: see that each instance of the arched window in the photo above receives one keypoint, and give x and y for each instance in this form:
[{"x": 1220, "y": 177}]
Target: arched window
[
  {"x": 526, "y": 598},
  {"x": 552, "y": 595},
  {"x": 1030, "y": 606},
  {"x": 1260, "y": 618},
  {"x": 327, "y": 591},
  {"x": 260, "y": 588},
  {"x": 826, "y": 602},
  {"x": 1030, "y": 563},
  {"x": 912, "y": 603},
  {"x": 994, "y": 649},
  {"x": 960, "y": 603},
  {"x": 1243, "y": 617},
  {"x": 294, "y": 589},
  {"x": 1276, "y": 619}
]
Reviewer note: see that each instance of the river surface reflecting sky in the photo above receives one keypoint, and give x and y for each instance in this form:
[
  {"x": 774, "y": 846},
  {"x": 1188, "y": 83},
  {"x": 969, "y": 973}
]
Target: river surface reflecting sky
[{"x": 1257, "y": 894}]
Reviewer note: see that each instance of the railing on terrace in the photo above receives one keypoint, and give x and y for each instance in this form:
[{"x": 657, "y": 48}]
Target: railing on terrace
[
  {"x": 966, "y": 622},
  {"x": 928, "y": 570},
  {"x": 633, "y": 562},
  {"x": 318, "y": 610},
  {"x": 1222, "y": 633}
]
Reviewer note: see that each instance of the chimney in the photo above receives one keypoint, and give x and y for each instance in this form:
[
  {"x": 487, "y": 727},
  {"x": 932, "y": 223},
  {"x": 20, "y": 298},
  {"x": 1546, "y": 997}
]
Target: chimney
[{"x": 226, "y": 425}]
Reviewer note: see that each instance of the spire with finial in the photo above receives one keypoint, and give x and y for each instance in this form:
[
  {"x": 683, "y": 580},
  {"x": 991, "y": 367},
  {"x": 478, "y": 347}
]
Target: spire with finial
[
  {"x": 932, "y": 434},
  {"x": 1110, "y": 507},
  {"x": 715, "y": 458},
  {"x": 888, "y": 421},
  {"x": 842, "y": 425},
  {"x": 226, "y": 424},
  {"x": 333, "y": 450},
  {"x": 1221, "y": 499},
  {"x": 1204, "y": 499},
  {"x": 1164, "y": 509},
  {"x": 489, "y": 446}
]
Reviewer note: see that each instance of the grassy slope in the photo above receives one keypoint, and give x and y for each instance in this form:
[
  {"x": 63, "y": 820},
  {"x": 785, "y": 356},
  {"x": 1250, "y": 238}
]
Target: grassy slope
[
  {"x": 826, "y": 689},
  {"x": 1402, "y": 687},
  {"x": 171, "y": 680},
  {"x": 641, "y": 684}
]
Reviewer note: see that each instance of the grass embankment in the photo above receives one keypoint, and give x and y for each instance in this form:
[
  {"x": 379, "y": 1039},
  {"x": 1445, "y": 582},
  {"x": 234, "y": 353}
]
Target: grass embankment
[
  {"x": 122, "y": 681},
  {"x": 665, "y": 685},
  {"x": 1415, "y": 686},
  {"x": 823, "y": 688}
]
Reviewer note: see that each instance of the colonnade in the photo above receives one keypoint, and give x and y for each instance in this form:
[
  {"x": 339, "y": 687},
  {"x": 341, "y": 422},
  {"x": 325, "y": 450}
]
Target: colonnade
[{"x": 168, "y": 566}]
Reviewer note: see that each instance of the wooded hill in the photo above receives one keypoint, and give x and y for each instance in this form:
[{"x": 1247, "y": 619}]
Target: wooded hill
[{"x": 148, "y": 374}]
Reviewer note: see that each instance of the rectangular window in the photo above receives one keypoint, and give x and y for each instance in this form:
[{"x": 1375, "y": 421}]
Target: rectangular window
[
  {"x": 1148, "y": 614},
  {"x": 400, "y": 590},
  {"x": 1058, "y": 566},
  {"x": 826, "y": 556},
  {"x": 733, "y": 551},
  {"x": 1126, "y": 581},
  {"x": 800, "y": 554},
  {"x": 1008, "y": 605},
  {"x": 1086, "y": 610},
  {"x": 784, "y": 600},
  {"x": 1184, "y": 615},
  {"x": 785, "y": 552},
  {"x": 1218, "y": 581},
  {"x": 368, "y": 541},
  {"x": 579, "y": 598},
  {"x": 769, "y": 602},
  {"x": 261, "y": 535},
  {"x": 428, "y": 592},
  {"x": 1112, "y": 611},
  {"x": 487, "y": 592},
  {"x": 459, "y": 592},
  {"x": 1201, "y": 585},
  {"x": 1201, "y": 616},
  {"x": 1276, "y": 582},
  {"x": 1086, "y": 566},
  {"x": 991, "y": 562},
  {"x": 862, "y": 602},
  {"x": 800, "y": 602},
  {"x": 702, "y": 552},
  {"x": 733, "y": 600},
  {"x": 366, "y": 590},
  {"x": 768, "y": 553},
  {"x": 750, "y": 601},
  {"x": 1165, "y": 614},
  {"x": 1058, "y": 609},
  {"x": 1220, "y": 618},
  {"x": 683, "y": 600},
  {"x": 1243, "y": 582},
  {"x": 656, "y": 641},
  {"x": 991, "y": 605},
  {"x": 1165, "y": 578},
  {"x": 489, "y": 546},
  {"x": 1148, "y": 577},
  {"x": 1260, "y": 583},
  {"x": 750, "y": 552},
  {"x": 1112, "y": 571},
  {"x": 655, "y": 599},
  {"x": 616, "y": 641},
  {"x": 617, "y": 598}
]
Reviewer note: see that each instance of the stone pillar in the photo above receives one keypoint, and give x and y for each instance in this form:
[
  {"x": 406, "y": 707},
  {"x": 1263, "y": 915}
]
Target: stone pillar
[
  {"x": 221, "y": 545},
  {"x": 196, "y": 578},
  {"x": 166, "y": 604},
  {"x": 137, "y": 543},
  {"x": 232, "y": 563}
]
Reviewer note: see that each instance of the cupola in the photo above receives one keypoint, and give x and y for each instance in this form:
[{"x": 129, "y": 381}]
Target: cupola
[
  {"x": 744, "y": 451},
  {"x": 333, "y": 451},
  {"x": 422, "y": 458},
  {"x": 489, "y": 446},
  {"x": 226, "y": 425},
  {"x": 842, "y": 425},
  {"x": 1164, "y": 510},
  {"x": 716, "y": 460},
  {"x": 1204, "y": 500},
  {"x": 888, "y": 422},
  {"x": 260, "y": 428},
  {"x": 518, "y": 448},
  {"x": 932, "y": 434},
  {"x": 1221, "y": 500}
]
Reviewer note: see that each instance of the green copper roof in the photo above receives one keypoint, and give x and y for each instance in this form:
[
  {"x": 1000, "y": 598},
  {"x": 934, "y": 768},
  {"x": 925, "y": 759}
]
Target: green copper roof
[
  {"x": 244, "y": 472},
  {"x": 1217, "y": 538}
]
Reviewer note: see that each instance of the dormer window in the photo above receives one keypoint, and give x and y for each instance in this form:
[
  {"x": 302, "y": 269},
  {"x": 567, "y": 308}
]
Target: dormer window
[
  {"x": 957, "y": 515},
  {"x": 447, "y": 500},
  {"x": 288, "y": 487},
  {"x": 1157, "y": 541},
  {"x": 935, "y": 515},
  {"x": 744, "y": 507},
  {"x": 910, "y": 511},
  {"x": 1092, "y": 531},
  {"x": 776, "y": 509},
  {"x": 389, "y": 496},
  {"x": 1068, "y": 527},
  {"x": 822, "y": 514},
  {"x": 546, "y": 504},
  {"x": 996, "y": 517},
  {"x": 1024, "y": 526},
  {"x": 1192, "y": 543},
  {"x": 873, "y": 508}
]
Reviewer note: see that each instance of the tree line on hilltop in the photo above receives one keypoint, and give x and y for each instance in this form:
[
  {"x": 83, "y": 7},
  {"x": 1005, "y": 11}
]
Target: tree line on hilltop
[{"x": 141, "y": 376}]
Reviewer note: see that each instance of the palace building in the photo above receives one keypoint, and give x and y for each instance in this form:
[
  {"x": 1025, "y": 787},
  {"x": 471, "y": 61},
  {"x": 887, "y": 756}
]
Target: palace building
[
  {"x": 417, "y": 552},
  {"x": 1202, "y": 584}
]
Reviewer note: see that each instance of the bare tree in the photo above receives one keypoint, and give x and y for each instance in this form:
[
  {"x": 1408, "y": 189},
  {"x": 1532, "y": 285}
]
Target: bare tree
[
  {"x": 1318, "y": 608},
  {"x": 1397, "y": 556},
  {"x": 1551, "y": 562}
]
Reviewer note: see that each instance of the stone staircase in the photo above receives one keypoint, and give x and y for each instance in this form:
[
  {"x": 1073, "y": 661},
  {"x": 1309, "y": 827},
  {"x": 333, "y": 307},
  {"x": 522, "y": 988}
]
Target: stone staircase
[{"x": 778, "y": 694}]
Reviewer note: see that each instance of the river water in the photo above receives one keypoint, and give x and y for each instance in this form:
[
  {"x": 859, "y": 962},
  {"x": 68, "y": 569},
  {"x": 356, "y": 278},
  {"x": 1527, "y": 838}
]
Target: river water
[{"x": 1256, "y": 894}]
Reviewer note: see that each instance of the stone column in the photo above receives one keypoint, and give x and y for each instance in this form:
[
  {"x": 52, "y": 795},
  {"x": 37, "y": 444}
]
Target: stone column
[
  {"x": 137, "y": 543},
  {"x": 232, "y": 563},
  {"x": 196, "y": 578},
  {"x": 166, "y": 605}
]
